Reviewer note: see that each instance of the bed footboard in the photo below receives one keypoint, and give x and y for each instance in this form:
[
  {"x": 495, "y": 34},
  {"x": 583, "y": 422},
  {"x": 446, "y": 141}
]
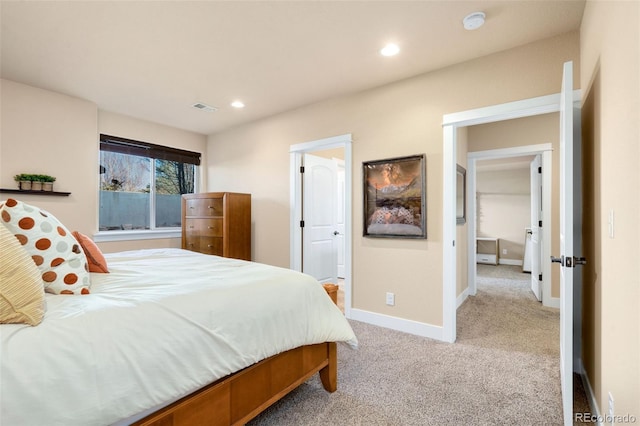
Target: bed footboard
[{"x": 240, "y": 397}]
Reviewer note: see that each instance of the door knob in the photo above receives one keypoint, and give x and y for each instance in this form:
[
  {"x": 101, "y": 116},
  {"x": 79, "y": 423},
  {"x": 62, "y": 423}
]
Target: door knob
[
  {"x": 336, "y": 233},
  {"x": 559, "y": 260},
  {"x": 570, "y": 261}
]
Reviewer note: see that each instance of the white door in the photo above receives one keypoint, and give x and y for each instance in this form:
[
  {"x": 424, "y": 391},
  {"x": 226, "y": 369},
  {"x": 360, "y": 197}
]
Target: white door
[
  {"x": 570, "y": 185},
  {"x": 319, "y": 213},
  {"x": 536, "y": 230},
  {"x": 341, "y": 220}
]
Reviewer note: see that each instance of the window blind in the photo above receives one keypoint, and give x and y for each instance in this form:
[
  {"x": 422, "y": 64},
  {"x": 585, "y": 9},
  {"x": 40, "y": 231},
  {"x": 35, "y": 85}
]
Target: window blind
[{"x": 146, "y": 149}]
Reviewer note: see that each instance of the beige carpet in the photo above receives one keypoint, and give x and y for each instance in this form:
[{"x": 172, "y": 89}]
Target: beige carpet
[{"x": 503, "y": 369}]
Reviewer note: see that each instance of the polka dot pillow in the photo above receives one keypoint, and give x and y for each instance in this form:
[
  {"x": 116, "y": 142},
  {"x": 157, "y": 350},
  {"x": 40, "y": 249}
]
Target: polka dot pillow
[{"x": 58, "y": 255}]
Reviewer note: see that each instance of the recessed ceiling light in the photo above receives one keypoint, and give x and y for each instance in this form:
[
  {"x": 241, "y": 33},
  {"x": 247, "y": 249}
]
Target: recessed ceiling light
[
  {"x": 390, "y": 50},
  {"x": 204, "y": 107},
  {"x": 237, "y": 104},
  {"x": 473, "y": 21}
]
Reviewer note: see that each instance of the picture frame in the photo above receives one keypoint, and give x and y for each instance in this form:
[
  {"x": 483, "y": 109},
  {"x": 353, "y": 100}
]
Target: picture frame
[{"x": 394, "y": 193}]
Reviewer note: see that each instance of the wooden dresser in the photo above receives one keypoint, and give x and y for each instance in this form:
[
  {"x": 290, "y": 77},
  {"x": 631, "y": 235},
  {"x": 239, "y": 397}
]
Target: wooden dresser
[{"x": 217, "y": 223}]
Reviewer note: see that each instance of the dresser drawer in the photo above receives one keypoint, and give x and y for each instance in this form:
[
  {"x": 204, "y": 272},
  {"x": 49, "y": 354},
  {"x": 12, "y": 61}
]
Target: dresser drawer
[
  {"x": 206, "y": 245},
  {"x": 211, "y": 245},
  {"x": 490, "y": 259},
  {"x": 204, "y": 207},
  {"x": 203, "y": 227}
]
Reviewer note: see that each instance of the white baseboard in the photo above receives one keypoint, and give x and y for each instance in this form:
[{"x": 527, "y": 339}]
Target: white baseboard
[
  {"x": 553, "y": 302},
  {"x": 462, "y": 297},
  {"x": 593, "y": 403},
  {"x": 399, "y": 324},
  {"x": 514, "y": 262}
]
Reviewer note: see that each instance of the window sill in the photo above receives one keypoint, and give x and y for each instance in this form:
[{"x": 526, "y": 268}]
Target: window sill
[{"x": 105, "y": 236}]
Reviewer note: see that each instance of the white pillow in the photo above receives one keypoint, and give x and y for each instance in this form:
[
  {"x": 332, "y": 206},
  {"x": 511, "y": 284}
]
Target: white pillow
[{"x": 58, "y": 255}]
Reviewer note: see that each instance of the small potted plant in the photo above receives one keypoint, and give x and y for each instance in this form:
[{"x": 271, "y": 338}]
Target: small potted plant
[
  {"x": 24, "y": 181},
  {"x": 36, "y": 183},
  {"x": 47, "y": 182}
]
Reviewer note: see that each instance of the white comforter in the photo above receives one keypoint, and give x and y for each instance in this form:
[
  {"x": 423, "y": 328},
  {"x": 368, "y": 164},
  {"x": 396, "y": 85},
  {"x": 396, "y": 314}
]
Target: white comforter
[{"x": 162, "y": 324}]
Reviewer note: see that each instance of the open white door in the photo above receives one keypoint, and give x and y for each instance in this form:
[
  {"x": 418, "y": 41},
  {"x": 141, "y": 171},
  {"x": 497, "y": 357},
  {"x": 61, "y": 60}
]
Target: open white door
[
  {"x": 319, "y": 243},
  {"x": 536, "y": 229},
  {"x": 569, "y": 201},
  {"x": 341, "y": 222}
]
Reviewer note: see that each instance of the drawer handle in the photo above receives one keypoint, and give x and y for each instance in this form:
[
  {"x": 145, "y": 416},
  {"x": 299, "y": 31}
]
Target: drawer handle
[
  {"x": 190, "y": 226},
  {"x": 191, "y": 244},
  {"x": 209, "y": 207},
  {"x": 209, "y": 245},
  {"x": 210, "y": 227},
  {"x": 191, "y": 207}
]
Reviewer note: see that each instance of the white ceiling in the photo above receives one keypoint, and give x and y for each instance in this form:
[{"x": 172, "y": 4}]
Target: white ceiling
[{"x": 153, "y": 60}]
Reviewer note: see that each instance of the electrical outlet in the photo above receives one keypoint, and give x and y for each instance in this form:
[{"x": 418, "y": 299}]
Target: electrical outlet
[
  {"x": 504, "y": 251},
  {"x": 611, "y": 406},
  {"x": 391, "y": 299}
]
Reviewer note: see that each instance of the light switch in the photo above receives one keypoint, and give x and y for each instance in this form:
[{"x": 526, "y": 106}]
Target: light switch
[{"x": 611, "y": 225}]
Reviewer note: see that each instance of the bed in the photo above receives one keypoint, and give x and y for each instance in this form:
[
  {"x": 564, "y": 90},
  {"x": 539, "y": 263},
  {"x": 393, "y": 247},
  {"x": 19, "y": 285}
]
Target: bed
[{"x": 170, "y": 337}]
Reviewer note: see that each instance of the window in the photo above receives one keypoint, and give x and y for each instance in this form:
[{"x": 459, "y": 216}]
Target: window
[{"x": 141, "y": 184}]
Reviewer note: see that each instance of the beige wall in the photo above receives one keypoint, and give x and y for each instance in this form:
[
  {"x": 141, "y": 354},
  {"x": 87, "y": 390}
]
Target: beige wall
[
  {"x": 49, "y": 133},
  {"x": 330, "y": 153},
  {"x": 610, "y": 63},
  {"x": 399, "y": 119},
  {"x": 504, "y": 208},
  {"x": 55, "y": 134},
  {"x": 462, "y": 254}
]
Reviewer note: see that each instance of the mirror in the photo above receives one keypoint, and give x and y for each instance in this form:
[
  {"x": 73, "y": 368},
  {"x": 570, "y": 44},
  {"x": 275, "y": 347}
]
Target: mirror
[{"x": 461, "y": 194}]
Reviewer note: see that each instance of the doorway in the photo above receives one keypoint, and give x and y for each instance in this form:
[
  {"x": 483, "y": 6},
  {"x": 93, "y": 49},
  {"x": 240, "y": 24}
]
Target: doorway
[
  {"x": 565, "y": 103},
  {"x": 342, "y": 235},
  {"x": 451, "y": 124},
  {"x": 544, "y": 153}
]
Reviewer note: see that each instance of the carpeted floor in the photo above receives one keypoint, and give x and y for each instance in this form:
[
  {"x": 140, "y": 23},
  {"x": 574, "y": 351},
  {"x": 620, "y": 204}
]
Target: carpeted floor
[{"x": 503, "y": 369}]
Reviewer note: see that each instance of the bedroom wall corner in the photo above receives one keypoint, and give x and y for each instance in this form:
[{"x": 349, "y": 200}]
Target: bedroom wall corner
[
  {"x": 610, "y": 64},
  {"x": 504, "y": 208},
  {"x": 50, "y": 133}
]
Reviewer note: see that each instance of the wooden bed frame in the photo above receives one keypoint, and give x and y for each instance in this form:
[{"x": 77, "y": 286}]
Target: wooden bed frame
[{"x": 239, "y": 397}]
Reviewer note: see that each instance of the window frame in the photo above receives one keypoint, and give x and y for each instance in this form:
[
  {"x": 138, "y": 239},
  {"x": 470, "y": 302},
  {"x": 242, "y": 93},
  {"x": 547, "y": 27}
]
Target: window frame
[{"x": 153, "y": 152}]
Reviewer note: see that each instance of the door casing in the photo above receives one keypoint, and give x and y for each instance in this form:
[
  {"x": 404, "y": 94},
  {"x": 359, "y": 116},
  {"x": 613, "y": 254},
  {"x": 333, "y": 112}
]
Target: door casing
[
  {"x": 450, "y": 125},
  {"x": 545, "y": 151},
  {"x": 296, "y": 153}
]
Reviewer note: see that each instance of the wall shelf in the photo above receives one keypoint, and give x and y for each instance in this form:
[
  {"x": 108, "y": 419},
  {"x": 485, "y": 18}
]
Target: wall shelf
[{"x": 20, "y": 191}]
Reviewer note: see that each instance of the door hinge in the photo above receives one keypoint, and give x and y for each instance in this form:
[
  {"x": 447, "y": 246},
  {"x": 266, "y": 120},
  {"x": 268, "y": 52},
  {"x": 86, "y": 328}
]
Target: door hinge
[
  {"x": 540, "y": 169},
  {"x": 540, "y": 277},
  {"x": 301, "y": 169},
  {"x": 540, "y": 223},
  {"x": 302, "y": 224}
]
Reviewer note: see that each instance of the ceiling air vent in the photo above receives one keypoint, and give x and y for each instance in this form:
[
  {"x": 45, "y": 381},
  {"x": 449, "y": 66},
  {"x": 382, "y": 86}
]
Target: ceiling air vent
[{"x": 204, "y": 107}]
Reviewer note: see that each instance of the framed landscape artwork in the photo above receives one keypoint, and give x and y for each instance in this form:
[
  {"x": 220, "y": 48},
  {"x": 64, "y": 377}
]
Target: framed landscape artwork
[{"x": 394, "y": 198}]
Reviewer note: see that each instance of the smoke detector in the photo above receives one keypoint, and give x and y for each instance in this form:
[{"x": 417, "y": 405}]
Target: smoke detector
[{"x": 473, "y": 21}]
